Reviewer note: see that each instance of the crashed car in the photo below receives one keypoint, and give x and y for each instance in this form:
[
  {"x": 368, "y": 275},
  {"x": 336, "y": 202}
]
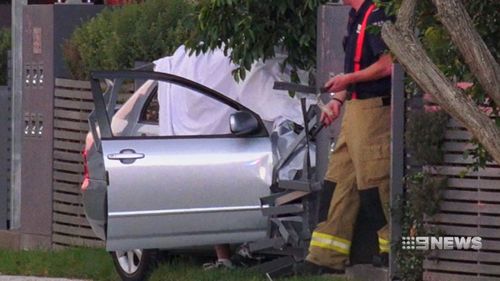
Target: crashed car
[
  {"x": 153, "y": 182},
  {"x": 146, "y": 191},
  {"x": 149, "y": 192}
]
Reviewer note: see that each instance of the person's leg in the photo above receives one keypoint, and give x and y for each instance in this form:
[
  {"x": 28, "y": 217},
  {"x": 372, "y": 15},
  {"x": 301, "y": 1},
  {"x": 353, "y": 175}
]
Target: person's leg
[
  {"x": 384, "y": 241},
  {"x": 331, "y": 240},
  {"x": 330, "y": 243},
  {"x": 223, "y": 252},
  {"x": 326, "y": 199},
  {"x": 371, "y": 157}
]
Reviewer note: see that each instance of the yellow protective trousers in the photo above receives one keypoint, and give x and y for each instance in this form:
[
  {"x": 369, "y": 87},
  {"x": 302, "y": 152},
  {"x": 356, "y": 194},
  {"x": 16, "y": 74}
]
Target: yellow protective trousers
[{"x": 360, "y": 162}]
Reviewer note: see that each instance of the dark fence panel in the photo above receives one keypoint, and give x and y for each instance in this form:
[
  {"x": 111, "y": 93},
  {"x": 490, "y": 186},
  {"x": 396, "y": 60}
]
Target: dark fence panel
[
  {"x": 470, "y": 207},
  {"x": 4, "y": 156},
  {"x": 72, "y": 105}
]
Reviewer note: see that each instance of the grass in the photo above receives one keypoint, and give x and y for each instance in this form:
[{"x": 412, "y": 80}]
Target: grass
[
  {"x": 189, "y": 271},
  {"x": 96, "y": 264}
]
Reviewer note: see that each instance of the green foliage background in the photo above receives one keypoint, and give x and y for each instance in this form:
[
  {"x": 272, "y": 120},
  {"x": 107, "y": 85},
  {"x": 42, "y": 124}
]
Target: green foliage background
[
  {"x": 252, "y": 29},
  {"x": 425, "y": 136},
  {"x": 5, "y": 42},
  {"x": 423, "y": 198},
  {"x": 118, "y": 37}
]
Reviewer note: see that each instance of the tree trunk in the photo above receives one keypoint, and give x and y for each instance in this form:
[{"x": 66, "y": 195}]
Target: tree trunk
[
  {"x": 481, "y": 62},
  {"x": 410, "y": 53}
]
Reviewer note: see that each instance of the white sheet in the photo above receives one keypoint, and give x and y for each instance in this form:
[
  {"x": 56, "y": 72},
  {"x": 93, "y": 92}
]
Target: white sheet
[{"x": 183, "y": 112}]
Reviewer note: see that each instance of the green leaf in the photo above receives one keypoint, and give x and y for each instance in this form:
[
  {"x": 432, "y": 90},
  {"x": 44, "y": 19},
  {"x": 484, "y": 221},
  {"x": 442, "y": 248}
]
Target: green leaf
[
  {"x": 252, "y": 29},
  {"x": 242, "y": 73}
]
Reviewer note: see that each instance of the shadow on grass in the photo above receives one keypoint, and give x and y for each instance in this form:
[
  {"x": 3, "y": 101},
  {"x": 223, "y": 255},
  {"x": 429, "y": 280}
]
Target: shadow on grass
[{"x": 186, "y": 269}]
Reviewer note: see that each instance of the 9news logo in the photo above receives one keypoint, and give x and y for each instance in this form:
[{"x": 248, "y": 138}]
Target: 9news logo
[{"x": 425, "y": 243}]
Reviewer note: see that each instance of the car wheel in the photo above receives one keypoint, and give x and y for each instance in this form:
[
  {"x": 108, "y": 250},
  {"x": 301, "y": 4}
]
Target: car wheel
[{"x": 134, "y": 265}]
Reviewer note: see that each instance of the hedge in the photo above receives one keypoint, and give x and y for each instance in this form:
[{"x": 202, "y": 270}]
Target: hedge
[
  {"x": 118, "y": 37},
  {"x": 5, "y": 42}
]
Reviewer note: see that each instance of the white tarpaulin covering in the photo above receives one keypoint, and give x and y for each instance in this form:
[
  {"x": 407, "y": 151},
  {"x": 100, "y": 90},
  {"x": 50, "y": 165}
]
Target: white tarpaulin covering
[{"x": 184, "y": 112}]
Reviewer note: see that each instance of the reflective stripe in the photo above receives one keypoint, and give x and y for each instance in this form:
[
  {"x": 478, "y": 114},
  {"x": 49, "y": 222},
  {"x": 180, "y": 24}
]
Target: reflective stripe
[
  {"x": 384, "y": 249},
  {"x": 383, "y": 242},
  {"x": 384, "y": 245},
  {"x": 329, "y": 247},
  {"x": 327, "y": 236},
  {"x": 330, "y": 242}
]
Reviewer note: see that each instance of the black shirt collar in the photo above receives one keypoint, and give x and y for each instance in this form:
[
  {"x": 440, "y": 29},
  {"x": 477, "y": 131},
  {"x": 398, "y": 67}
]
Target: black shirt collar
[{"x": 362, "y": 10}]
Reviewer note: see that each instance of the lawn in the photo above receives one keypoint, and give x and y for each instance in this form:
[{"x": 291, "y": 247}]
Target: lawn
[
  {"x": 96, "y": 264},
  {"x": 73, "y": 263}
]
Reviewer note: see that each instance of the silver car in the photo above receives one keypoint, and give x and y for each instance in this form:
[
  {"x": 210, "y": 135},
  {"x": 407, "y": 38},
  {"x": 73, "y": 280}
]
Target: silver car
[{"x": 144, "y": 191}]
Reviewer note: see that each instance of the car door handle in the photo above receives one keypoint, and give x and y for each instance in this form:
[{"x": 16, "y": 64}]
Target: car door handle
[{"x": 126, "y": 156}]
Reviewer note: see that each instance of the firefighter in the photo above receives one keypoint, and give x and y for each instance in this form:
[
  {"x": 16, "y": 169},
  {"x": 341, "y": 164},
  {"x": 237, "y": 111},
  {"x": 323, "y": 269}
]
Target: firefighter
[{"x": 359, "y": 164}]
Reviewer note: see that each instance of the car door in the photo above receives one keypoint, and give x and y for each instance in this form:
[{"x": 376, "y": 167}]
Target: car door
[{"x": 181, "y": 191}]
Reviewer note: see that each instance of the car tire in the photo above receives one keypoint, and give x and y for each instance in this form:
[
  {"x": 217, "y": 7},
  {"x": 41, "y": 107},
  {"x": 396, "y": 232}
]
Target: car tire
[{"x": 135, "y": 265}]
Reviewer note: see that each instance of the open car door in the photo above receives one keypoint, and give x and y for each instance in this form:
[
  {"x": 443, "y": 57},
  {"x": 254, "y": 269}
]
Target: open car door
[{"x": 180, "y": 191}]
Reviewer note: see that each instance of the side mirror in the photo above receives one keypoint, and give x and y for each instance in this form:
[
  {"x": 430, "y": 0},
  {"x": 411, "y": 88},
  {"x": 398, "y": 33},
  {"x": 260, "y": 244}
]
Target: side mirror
[{"x": 243, "y": 123}]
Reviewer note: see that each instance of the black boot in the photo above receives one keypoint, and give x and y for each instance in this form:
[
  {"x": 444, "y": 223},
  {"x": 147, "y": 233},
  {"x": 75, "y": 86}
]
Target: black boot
[
  {"x": 308, "y": 268},
  {"x": 381, "y": 260}
]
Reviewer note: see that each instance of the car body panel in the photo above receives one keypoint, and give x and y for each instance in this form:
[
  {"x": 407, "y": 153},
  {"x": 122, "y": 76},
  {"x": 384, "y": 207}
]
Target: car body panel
[
  {"x": 125, "y": 122},
  {"x": 94, "y": 193},
  {"x": 174, "y": 191},
  {"x": 197, "y": 186},
  {"x": 94, "y": 201}
]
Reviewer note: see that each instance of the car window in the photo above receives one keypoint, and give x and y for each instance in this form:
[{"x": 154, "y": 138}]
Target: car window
[
  {"x": 165, "y": 109},
  {"x": 150, "y": 112},
  {"x": 185, "y": 112},
  {"x": 185, "y": 108},
  {"x": 124, "y": 120}
]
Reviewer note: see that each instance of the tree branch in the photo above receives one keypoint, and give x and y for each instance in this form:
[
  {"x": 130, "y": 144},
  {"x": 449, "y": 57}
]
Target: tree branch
[
  {"x": 406, "y": 15},
  {"x": 410, "y": 53},
  {"x": 481, "y": 62}
]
